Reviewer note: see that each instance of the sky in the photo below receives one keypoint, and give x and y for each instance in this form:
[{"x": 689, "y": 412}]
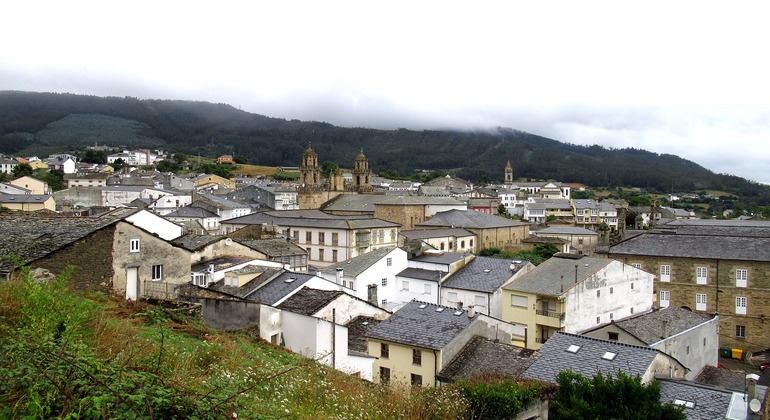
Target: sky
[{"x": 688, "y": 78}]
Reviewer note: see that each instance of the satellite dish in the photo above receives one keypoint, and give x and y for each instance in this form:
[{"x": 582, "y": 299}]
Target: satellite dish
[
  {"x": 755, "y": 405},
  {"x": 228, "y": 241}
]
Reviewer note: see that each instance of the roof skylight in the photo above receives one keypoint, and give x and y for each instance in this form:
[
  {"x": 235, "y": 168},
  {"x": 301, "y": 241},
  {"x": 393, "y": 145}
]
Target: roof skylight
[
  {"x": 688, "y": 404},
  {"x": 609, "y": 356},
  {"x": 439, "y": 309},
  {"x": 573, "y": 348},
  {"x": 458, "y": 312},
  {"x": 423, "y": 306}
]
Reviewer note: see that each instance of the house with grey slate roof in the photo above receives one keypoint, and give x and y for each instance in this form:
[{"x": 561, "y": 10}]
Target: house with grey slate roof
[
  {"x": 479, "y": 284},
  {"x": 573, "y": 293},
  {"x": 451, "y": 239},
  {"x": 420, "y": 339},
  {"x": 589, "y": 356},
  {"x": 328, "y": 238},
  {"x": 207, "y": 219},
  {"x": 581, "y": 240},
  {"x": 372, "y": 276},
  {"x": 690, "y": 337},
  {"x": 483, "y": 356},
  {"x": 491, "y": 231},
  {"x": 709, "y": 268},
  {"x": 331, "y": 305}
]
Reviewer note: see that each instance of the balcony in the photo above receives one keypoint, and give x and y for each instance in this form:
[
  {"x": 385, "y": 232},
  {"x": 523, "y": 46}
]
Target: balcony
[
  {"x": 539, "y": 340},
  {"x": 551, "y": 319},
  {"x": 552, "y": 314}
]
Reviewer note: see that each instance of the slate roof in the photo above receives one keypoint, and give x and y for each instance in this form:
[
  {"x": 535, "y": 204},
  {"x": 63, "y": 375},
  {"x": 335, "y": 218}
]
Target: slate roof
[
  {"x": 31, "y": 236},
  {"x": 710, "y": 403},
  {"x": 195, "y": 242},
  {"x": 191, "y": 212},
  {"x": 219, "y": 202},
  {"x": 648, "y": 327},
  {"x": 261, "y": 277},
  {"x": 482, "y": 274},
  {"x": 721, "y": 377},
  {"x": 434, "y": 233},
  {"x": 470, "y": 219},
  {"x": 564, "y": 230},
  {"x": 549, "y": 277},
  {"x": 696, "y": 246},
  {"x": 309, "y": 301},
  {"x": 358, "y": 328},
  {"x": 484, "y": 356},
  {"x": 277, "y": 288},
  {"x": 419, "y": 324},
  {"x": 311, "y": 218},
  {"x": 587, "y": 361},
  {"x": 367, "y": 202},
  {"x": 273, "y": 247},
  {"x": 439, "y": 258},
  {"x": 353, "y": 267},
  {"x": 24, "y": 198},
  {"x": 421, "y": 274},
  {"x": 585, "y": 204},
  {"x": 221, "y": 263}
]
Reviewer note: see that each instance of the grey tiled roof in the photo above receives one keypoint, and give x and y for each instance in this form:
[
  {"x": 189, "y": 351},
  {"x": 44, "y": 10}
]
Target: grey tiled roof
[
  {"x": 358, "y": 264},
  {"x": 723, "y": 378},
  {"x": 434, "y": 233},
  {"x": 194, "y": 242},
  {"x": 221, "y": 263},
  {"x": 277, "y": 288},
  {"x": 190, "y": 211},
  {"x": 421, "y": 274},
  {"x": 260, "y": 278},
  {"x": 24, "y": 198},
  {"x": 482, "y": 274},
  {"x": 367, "y": 202},
  {"x": 564, "y": 230},
  {"x": 309, "y": 301},
  {"x": 315, "y": 219},
  {"x": 587, "y": 361},
  {"x": 557, "y": 275},
  {"x": 483, "y": 356},
  {"x": 696, "y": 246},
  {"x": 273, "y": 247},
  {"x": 358, "y": 328},
  {"x": 439, "y": 258},
  {"x": 31, "y": 236},
  {"x": 419, "y": 324},
  {"x": 649, "y": 327},
  {"x": 710, "y": 403},
  {"x": 470, "y": 219}
]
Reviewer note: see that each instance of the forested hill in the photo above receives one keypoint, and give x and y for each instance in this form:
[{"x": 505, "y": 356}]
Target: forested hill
[{"x": 40, "y": 123}]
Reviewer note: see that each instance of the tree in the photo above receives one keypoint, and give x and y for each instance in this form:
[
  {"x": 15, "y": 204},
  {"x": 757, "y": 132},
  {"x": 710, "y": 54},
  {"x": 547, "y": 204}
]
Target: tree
[
  {"x": 94, "y": 156},
  {"x": 22, "y": 169},
  {"x": 327, "y": 168},
  {"x": 118, "y": 164},
  {"x": 608, "y": 397},
  {"x": 54, "y": 179},
  {"x": 502, "y": 211},
  {"x": 240, "y": 159}
]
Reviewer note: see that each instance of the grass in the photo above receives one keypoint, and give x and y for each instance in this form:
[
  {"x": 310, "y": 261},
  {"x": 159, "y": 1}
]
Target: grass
[{"x": 67, "y": 354}]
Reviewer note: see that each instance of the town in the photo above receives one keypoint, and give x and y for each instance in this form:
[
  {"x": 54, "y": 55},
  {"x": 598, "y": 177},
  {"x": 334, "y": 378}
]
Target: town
[{"x": 402, "y": 282}]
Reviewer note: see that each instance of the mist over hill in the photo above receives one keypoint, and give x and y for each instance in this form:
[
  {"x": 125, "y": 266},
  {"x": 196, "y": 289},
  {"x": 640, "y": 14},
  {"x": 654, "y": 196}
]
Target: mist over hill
[{"x": 42, "y": 123}]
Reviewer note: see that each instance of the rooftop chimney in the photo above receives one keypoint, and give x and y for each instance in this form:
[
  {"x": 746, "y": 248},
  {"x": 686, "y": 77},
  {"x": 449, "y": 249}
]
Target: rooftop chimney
[
  {"x": 471, "y": 311},
  {"x": 665, "y": 329},
  {"x": 339, "y": 276}
]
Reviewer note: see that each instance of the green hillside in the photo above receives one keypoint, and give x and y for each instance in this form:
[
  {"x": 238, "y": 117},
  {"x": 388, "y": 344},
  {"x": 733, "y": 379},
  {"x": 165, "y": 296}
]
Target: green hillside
[{"x": 36, "y": 123}]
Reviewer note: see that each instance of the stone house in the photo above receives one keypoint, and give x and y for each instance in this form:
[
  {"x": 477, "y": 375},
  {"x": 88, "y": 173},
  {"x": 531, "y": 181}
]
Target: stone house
[
  {"x": 491, "y": 231},
  {"x": 451, "y": 239},
  {"x": 581, "y": 241}
]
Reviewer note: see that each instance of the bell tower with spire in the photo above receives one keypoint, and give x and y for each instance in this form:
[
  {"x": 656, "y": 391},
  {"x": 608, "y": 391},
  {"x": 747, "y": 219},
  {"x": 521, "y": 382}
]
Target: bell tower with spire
[
  {"x": 310, "y": 173},
  {"x": 362, "y": 175},
  {"x": 508, "y": 174}
]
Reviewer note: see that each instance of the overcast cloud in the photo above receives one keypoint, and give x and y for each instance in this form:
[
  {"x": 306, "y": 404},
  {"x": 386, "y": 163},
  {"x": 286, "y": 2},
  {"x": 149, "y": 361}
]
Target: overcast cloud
[{"x": 684, "y": 78}]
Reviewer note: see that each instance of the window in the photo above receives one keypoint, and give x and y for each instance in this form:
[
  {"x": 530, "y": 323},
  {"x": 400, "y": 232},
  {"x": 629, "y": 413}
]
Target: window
[
  {"x": 580, "y": 241},
  {"x": 598, "y": 293},
  {"x": 321, "y": 238},
  {"x": 384, "y": 281},
  {"x": 665, "y": 272},
  {"x": 740, "y": 305},
  {"x": 740, "y": 331},
  {"x": 384, "y": 350},
  {"x": 519, "y": 301},
  {"x": 416, "y": 380},
  {"x": 384, "y": 375},
  {"x": 632, "y": 310},
  {"x": 612, "y": 290},
  {"x": 452, "y": 296},
  {"x": 612, "y": 336},
  {"x": 320, "y": 254},
  {"x": 389, "y": 261},
  {"x": 335, "y": 238},
  {"x": 416, "y": 357},
  {"x": 199, "y": 279},
  {"x": 441, "y": 246},
  {"x": 700, "y": 301},
  {"x": 405, "y": 286},
  {"x": 741, "y": 277},
  {"x": 636, "y": 265},
  {"x": 427, "y": 289},
  {"x": 308, "y": 237},
  {"x": 665, "y": 298},
  {"x": 480, "y": 301},
  {"x": 701, "y": 275},
  {"x": 133, "y": 245},
  {"x": 384, "y": 302},
  {"x": 471, "y": 243},
  {"x": 598, "y": 319},
  {"x": 612, "y": 315},
  {"x": 632, "y": 286},
  {"x": 334, "y": 255},
  {"x": 157, "y": 272},
  {"x": 462, "y": 244}
]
